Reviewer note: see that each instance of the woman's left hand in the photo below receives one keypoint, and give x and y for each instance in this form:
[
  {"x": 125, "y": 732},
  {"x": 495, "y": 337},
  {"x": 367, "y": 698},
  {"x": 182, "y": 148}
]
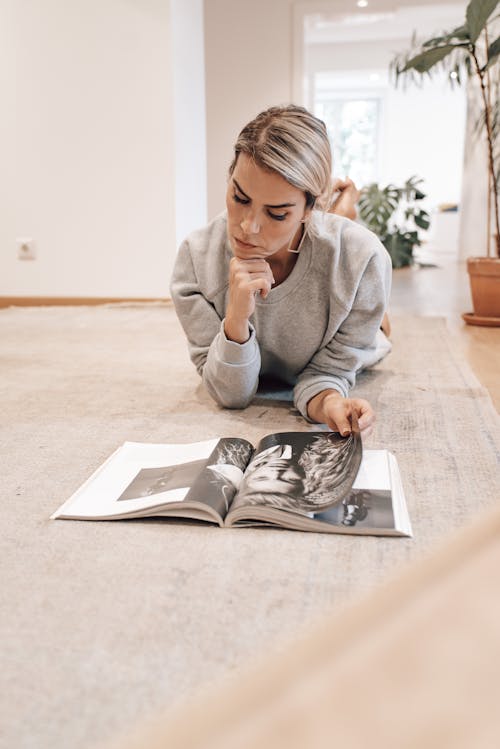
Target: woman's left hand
[{"x": 331, "y": 408}]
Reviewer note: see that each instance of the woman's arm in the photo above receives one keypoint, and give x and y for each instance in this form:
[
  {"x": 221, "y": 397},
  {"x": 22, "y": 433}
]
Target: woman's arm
[
  {"x": 230, "y": 370},
  {"x": 247, "y": 278},
  {"x": 322, "y": 390}
]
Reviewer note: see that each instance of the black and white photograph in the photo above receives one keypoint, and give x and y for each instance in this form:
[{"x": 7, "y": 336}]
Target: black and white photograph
[
  {"x": 301, "y": 472},
  {"x": 221, "y": 475},
  {"x": 158, "y": 481},
  {"x": 363, "y": 508}
]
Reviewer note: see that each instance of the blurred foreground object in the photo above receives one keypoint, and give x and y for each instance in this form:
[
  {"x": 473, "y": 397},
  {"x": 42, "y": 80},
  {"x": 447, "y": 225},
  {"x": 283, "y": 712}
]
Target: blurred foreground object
[{"x": 414, "y": 665}]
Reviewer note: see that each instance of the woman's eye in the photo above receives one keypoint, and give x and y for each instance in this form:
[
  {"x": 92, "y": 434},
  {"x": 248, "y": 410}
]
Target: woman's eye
[
  {"x": 245, "y": 201},
  {"x": 237, "y": 199}
]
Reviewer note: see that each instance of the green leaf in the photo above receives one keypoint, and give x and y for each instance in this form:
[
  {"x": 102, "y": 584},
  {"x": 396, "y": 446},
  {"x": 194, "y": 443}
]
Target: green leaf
[
  {"x": 477, "y": 14},
  {"x": 377, "y": 205},
  {"x": 422, "y": 222},
  {"x": 435, "y": 40},
  {"x": 412, "y": 236},
  {"x": 413, "y": 181},
  {"x": 400, "y": 247},
  {"x": 424, "y": 61},
  {"x": 461, "y": 33},
  {"x": 493, "y": 52}
]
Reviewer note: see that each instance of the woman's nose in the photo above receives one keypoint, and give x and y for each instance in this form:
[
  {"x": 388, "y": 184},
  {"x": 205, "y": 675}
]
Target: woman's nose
[{"x": 249, "y": 224}]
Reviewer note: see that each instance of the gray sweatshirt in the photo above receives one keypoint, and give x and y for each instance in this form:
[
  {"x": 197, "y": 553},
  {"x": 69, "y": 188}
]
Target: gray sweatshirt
[{"x": 314, "y": 331}]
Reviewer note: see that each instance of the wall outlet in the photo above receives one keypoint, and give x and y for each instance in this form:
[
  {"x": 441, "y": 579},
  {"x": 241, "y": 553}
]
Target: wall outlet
[{"x": 25, "y": 248}]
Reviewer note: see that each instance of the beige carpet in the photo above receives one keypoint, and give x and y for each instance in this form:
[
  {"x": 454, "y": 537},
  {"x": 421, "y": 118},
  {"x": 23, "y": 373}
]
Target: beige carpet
[{"x": 104, "y": 623}]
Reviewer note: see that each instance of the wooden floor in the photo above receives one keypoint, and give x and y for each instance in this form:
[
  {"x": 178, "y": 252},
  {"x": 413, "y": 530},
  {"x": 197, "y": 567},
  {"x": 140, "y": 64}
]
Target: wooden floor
[{"x": 444, "y": 291}]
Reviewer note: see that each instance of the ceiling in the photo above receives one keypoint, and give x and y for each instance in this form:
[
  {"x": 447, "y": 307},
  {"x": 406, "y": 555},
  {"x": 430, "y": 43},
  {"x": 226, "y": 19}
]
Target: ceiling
[{"x": 341, "y": 21}]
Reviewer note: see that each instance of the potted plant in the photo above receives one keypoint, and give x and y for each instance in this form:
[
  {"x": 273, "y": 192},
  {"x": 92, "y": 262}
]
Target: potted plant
[
  {"x": 395, "y": 215},
  {"x": 467, "y": 49}
]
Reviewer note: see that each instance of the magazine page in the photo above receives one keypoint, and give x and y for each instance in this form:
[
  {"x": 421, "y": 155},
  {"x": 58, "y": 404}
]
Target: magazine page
[
  {"x": 220, "y": 478},
  {"x": 374, "y": 505},
  {"x": 401, "y": 514},
  {"x": 300, "y": 472},
  {"x": 138, "y": 479},
  {"x": 369, "y": 505}
]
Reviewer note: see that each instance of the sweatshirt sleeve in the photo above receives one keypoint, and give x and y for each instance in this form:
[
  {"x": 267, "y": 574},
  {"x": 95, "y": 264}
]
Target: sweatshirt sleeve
[
  {"x": 229, "y": 370},
  {"x": 357, "y": 344}
]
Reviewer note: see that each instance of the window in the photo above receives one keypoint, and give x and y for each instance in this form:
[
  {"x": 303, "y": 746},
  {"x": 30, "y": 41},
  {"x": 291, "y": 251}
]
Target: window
[{"x": 353, "y": 122}]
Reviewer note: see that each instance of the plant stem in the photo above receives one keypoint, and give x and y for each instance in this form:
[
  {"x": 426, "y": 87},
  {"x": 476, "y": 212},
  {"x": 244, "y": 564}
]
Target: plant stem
[
  {"x": 489, "y": 138},
  {"x": 488, "y": 92}
]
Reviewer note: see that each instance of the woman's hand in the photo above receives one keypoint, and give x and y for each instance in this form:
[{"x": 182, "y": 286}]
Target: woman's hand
[
  {"x": 331, "y": 408},
  {"x": 247, "y": 278}
]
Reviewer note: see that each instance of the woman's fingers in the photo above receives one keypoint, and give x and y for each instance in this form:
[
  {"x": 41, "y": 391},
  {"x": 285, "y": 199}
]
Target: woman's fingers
[
  {"x": 247, "y": 279},
  {"x": 338, "y": 413},
  {"x": 365, "y": 414},
  {"x": 250, "y": 276}
]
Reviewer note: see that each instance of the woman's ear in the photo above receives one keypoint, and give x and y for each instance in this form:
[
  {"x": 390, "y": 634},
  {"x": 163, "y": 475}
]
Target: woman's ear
[{"x": 307, "y": 215}]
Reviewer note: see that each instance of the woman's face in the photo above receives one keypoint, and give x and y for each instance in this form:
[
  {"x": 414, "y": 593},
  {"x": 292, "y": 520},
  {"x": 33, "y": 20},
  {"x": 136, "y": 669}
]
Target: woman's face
[
  {"x": 277, "y": 476},
  {"x": 264, "y": 211}
]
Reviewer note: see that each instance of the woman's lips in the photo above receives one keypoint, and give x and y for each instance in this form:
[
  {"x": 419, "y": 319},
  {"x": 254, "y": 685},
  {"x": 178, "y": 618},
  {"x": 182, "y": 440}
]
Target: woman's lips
[{"x": 245, "y": 245}]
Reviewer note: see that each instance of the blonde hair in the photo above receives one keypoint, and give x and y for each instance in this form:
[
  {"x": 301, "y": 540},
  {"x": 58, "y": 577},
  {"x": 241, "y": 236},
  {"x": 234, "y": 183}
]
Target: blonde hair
[{"x": 294, "y": 143}]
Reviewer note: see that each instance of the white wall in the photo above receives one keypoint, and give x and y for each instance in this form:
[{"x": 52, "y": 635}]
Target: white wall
[
  {"x": 189, "y": 116},
  {"x": 248, "y": 68},
  {"x": 473, "y": 238},
  {"x": 87, "y": 145},
  {"x": 424, "y": 135}
]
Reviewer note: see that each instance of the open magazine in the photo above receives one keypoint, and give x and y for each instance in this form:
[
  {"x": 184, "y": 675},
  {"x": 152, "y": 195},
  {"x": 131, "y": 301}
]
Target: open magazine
[{"x": 308, "y": 481}]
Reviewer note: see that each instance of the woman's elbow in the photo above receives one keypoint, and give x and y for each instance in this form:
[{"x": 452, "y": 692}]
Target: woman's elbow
[{"x": 233, "y": 399}]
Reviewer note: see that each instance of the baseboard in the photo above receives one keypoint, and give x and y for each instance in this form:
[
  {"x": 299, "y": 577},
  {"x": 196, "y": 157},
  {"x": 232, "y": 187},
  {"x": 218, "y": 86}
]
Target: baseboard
[{"x": 74, "y": 301}]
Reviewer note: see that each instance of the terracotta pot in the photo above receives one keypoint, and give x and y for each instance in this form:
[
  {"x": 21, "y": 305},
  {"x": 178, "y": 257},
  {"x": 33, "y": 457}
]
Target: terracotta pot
[{"x": 484, "y": 277}]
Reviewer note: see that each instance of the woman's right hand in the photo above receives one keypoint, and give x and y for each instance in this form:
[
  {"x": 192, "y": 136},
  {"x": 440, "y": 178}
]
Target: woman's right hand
[{"x": 247, "y": 278}]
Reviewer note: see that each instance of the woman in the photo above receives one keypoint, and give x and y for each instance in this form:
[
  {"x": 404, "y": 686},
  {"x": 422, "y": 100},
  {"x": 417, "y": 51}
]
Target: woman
[{"x": 278, "y": 286}]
